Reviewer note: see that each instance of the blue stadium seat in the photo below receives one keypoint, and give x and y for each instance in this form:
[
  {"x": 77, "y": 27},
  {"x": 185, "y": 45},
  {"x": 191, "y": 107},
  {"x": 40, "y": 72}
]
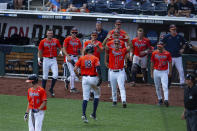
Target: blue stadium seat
[
  {"x": 195, "y": 7},
  {"x": 101, "y": 6},
  {"x": 147, "y": 8},
  {"x": 116, "y": 6},
  {"x": 161, "y": 9},
  {"x": 132, "y": 7}
]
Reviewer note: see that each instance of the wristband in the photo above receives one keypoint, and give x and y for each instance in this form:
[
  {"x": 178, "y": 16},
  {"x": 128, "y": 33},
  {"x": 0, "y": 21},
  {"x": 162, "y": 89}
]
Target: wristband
[{"x": 38, "y": 59}]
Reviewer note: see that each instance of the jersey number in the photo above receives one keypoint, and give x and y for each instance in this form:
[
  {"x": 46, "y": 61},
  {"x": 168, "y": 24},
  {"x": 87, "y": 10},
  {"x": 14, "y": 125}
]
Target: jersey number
[{"x": 88, "y": 64}]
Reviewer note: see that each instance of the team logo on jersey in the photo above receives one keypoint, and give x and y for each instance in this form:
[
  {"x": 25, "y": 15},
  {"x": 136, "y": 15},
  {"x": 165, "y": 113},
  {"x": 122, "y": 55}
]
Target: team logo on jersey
[
  {"x": 48, "y": 45},
  {"x": 116, "y": 53},
  {"x": 160, "y": 57},
  {"x": 140, "y": 45},
  {"x": 73, "y": 43},
  {"x": 33, "y": 94}
]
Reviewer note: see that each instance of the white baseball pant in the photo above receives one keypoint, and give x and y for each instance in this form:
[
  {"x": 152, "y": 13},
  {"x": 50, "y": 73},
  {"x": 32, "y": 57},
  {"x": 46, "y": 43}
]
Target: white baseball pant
[
  {"x": 179, "y": 66},
  {"x": 118, "y": 77},
  {"x": 161, "y": 78},
  {"x": 50, "y": 64},
  {"x": 36, "y": 124},
  {"x": 71, "y": 70},
  {"x": 89, "y": 83},
  {"x": 141, "y": 61}
]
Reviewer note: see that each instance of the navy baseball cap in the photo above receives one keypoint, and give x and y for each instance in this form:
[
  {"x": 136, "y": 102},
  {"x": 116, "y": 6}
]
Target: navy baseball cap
[
  {"x": 94, "y": 32},
  {"x": 190, "y": 77},
  {"x": 172, "y": 26},
  {"x": 74, "y": 29},
  {"x": 118, "y": 22}
]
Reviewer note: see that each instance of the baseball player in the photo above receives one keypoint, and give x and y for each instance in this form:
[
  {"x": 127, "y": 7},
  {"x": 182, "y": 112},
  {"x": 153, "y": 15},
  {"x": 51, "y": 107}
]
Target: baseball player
[
  {"x": 116, "y": 71},
  {"x": 37, "y": 101},
  {"x": 98, "y": 48},
  {"x": 140, "y": 50},
  {"x": 72, "y": 49},
  {"x": 159, "y": 71},
  {"x": 123, "y": 35},
  {"x": 91, "y": 78},
  {"x": 48, "y": 50},
  {"x": 175, "y": 44}
]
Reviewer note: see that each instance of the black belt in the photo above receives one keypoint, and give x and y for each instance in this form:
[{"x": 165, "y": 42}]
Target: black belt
[
  {"x": 116, "y": 70},
  {"x": 73, "y": 55},
  {"x": 50, "y": 57},
  {"x": 89, "y": 75}
]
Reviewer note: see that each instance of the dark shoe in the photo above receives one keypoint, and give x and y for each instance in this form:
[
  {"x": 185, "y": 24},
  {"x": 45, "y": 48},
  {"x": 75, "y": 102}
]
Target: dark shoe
[
  {"x": 74, "y": 90},
  {"x": 52, "y": 93},
  {"x": 124, "y": 104},
  {"x": 160, "y": 102},
  {"x": 66, "y": 84},
  {"x": 166, "y": 103},
  {"x": 84, "y": 118},
  {"x": 114, "y": 104},
  {"x": 132, "y": 84},
  {"x": 93, "y": 117}
]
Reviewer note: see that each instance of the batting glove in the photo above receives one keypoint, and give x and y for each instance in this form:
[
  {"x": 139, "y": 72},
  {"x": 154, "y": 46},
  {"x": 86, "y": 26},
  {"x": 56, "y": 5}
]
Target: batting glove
[{"x": 26, "y": 116}]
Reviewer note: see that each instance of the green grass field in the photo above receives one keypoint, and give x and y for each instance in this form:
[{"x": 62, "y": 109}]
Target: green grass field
[{"x": 65, "y": 115}]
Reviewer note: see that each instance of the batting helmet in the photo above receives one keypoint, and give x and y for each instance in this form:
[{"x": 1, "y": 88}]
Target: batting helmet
[
  {"x": 190, "y": 77},
  {"x": 89, "y": 49},
  {"x": 32, "y": 78}
]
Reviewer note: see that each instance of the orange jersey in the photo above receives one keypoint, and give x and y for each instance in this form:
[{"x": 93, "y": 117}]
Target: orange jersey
[
  {"x": 96, "y": 52},
  {"x": 122, "y": 36},
  {"x": 116, "y": 58},
  {"x": 88, "y": 64},
  {"x": 72, "y": 45},
  {"x": 49, "y": 48},
  {"x": 36, "y": 97},
  {"x": 141, "y": 45},
  {"x": 111, "y": 44},
  {"x": 160, "y": 60}
]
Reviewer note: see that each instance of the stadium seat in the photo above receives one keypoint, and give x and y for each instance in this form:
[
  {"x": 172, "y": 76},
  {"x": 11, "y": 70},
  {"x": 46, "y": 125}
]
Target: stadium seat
[
  {"x": 101, "y": 6},
  {"x": 132, "y": 7},
  {"x": 147, "y": 8},
  {"x": 116, "y": 6},
  {"x": 157, "y": 1},
  {"x": 161, "y": 9},
  {"x": 195, "y": 7}
]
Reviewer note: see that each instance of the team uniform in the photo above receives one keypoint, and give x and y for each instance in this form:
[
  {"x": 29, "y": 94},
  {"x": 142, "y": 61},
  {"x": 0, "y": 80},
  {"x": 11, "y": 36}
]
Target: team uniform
[
  {"x": 173, "y": 45},
  {"x": 35, "y": 98},
  {"x": 122, "y": 36},
  {"x": 73, "y": 46},
  {"x": 117, "y": 73},
  {"x": 96, "y": 52},
  {"x": 139, "y": 59},
  {"x": 49, "y": 54},
  {"x": 160, "y": 73},
  {"x": 90, "y": 79}
]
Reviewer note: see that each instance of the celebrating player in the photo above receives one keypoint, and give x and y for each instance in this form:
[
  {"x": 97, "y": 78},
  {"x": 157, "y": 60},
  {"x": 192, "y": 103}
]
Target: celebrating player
[
  {"x": 72, "y": 49},
  {"x": 48, "y": 50},
  {"x": 37, "y": 100},
  {"x": 141, "y": 46},
  {"x": 175, "y": 44},
  {"x": 159, "y": 71},
  {"x": 116, "y": 70},
  {"x": 91, "y": 72}
]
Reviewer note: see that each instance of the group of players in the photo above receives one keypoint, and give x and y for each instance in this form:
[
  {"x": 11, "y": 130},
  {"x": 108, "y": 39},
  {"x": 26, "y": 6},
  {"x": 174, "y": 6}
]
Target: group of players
[{"x": 83, "y": 63}]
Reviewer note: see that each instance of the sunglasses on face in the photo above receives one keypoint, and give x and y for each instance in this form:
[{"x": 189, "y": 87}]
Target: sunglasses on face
[
  {"x": 74, "y": 32},
  {"x": 94, "y": 35}
]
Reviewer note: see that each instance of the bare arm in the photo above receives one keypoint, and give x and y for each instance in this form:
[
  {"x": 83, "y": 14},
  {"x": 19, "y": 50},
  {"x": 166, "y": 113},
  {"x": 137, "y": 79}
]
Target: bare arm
[
  {"x": 106, "y": 39},
  {"x": 66, "y": 54},
  {"x": 76, "y": 71},
  {"x": 39, "y": 57},
  {"x": 27, "y": 110},
  {"x": 42, "y": 105}
]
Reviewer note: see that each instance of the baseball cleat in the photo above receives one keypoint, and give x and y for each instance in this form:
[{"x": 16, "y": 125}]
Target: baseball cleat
[
  {"x": 84, "y": 118},
  {"x": 74, "y": 90},
  {"x": 166, "y": 103},
  {"x": 124, "y": 104},
  {"x": 114, "y": 104},
  {"x": 160, "y": 102},
  {"x": 52, "y": 93},
  {"x": 132, "y": 84},
  {"x": 66, "y": 84},
  {"x": 93, "y": 117}
]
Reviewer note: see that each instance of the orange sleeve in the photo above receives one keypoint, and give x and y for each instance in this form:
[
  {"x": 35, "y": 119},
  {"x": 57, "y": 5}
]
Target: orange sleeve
[
  {"x": 78, "y": 63},
  {"x": 80, "y": 45},
  {"x": 85, "y": 44},
  {"x": 123, "y": 44},
  {"x": 100, "y": 44},
  {"x": 58, "y": 43},
  {"x": 66, "y": 40},
  {"x": 41, "y": 45},
  {"x": 28, "y": 94},
  {"x": 44, "y": 95},
  {"x": 97, "y": 62},
  {"x": 169, "y": 57}
]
